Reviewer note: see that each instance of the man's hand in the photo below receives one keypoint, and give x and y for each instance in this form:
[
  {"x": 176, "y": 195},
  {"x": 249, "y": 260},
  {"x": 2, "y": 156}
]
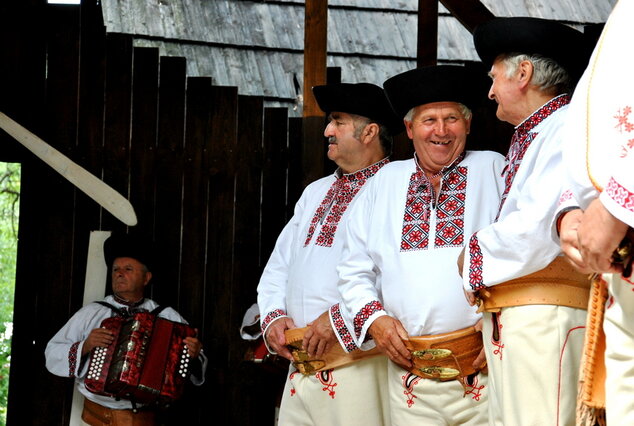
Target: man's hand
[
  {"x": 101, "y": 337},
  {"x": 319, "y": 337},
  {"x": 194, "y": 346},
  {"x": 479, "y": 364},
  {"x": 569, "y": 241},
  {"x": 388, "y": 334},
  {"x": 275, "y": 336},
  {"x": 599, "y": 234}
]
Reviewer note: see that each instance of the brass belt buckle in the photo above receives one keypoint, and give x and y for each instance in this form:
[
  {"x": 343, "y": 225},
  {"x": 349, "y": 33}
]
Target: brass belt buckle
[
  {"x": 304, "y": 364},
  {"x": 431, "y": 354},
  {"x": 442, "y": 373}
]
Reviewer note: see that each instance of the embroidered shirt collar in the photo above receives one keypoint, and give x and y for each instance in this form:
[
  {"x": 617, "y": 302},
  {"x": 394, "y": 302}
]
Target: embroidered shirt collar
[
  {"x": 121, "y": 301},
  {"x": 542, "y": 113},
  {"x": 362, "y": 174},
  {"x": 445, "y": 169}
]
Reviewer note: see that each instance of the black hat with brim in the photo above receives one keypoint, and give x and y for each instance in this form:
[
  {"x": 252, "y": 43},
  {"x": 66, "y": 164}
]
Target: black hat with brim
[
  {"x": 123, "y": 245},
  {"x": 364, "y": 99},
  {"x": 524, "y": 35},
  {"x": 441, "y": 83}
]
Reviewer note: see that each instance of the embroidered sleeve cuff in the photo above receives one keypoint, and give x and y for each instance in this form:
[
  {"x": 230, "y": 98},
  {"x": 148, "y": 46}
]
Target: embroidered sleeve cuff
[
  {"x": 73, "y": 359},
  {"x": 267, "y": 321},
  {"x": 475, "y": 264},
  {"x": 364, "y": 318},
  {"x": 341, "y": 329},
  {"x": 619, "y": 201}
]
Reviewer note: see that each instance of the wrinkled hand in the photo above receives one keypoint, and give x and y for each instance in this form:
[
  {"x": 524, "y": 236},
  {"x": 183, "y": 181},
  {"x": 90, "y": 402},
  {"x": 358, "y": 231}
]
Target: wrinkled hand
[
  {"x": 275, "y": 336},
  {"x": 479, "y": 363},
  {"x": 194, "y": 346},
  {"x": 319, "y": 337},
  {"x": 470, "y": 296},
  {"x": 98, "y": 337},
  {"x": 569, "y": 241},
  {"x": 599, "y": 234},
  {"x": 388, "y": 334}
]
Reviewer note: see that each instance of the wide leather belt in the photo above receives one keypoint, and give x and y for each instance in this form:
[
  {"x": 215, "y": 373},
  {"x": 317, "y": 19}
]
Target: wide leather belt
[
  {"x": 335, "y": 357},
  {"x": 447, "y": 356},
  {"x": 557, "y": 284}
]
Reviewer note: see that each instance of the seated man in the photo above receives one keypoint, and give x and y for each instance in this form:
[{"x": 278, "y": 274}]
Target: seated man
[
  {"x": 397, "y": 274},
  {"x": 67, "y": 353}
]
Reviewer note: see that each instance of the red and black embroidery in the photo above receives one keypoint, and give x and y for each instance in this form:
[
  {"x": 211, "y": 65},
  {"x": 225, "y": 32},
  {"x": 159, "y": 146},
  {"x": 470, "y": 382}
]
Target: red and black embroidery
[
  {"x": 336, "y": 202},
  {"x": 475, "y": 264},
  {"x": 450, "y": 209},
  {"x": 327, "y": 379},
  {"x": 293, "y": 391},
  {"x": 72, "y": 359},
  {"x": 270, "y": 317},
  {"x": 409, "y": 380},
  {"x": 341, "y": 329},
  {"x": 621, "y": 195},
  {"x": 366, "y": 312},
  {"x": 522, "y": 139},
  {"x": 416, "y": 218}
]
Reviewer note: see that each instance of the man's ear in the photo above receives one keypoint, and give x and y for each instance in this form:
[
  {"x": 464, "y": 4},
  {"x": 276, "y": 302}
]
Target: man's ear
[
  {"x": 148, "y": 277},
  {"x": 525, "y": 72},
  {"x": 370, "y": 132}
]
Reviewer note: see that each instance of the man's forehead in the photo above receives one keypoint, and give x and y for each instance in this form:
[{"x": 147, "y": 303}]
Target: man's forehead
[
  {"x": 436, "y": 107},
  {"x": 122, "y": 261}
]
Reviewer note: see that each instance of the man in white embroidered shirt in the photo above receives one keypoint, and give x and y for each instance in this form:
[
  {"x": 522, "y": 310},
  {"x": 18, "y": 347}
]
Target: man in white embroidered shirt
[
  {"x": 298, "y": 287},
  {"x": 533, "y": 329},
  {"x": 398, "y": 276}
]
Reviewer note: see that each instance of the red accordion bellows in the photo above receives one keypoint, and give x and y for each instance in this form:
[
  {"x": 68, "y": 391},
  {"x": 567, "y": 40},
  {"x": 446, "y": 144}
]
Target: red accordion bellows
[{"x": 147, "y": 362}]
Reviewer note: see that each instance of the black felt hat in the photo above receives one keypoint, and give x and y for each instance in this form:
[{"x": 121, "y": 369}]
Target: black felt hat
[
  {"x": 123, "y": 245},
  {"x": 364, "y": 99},
  {"x": 565, "y": 45},
  {"x": 441, "y": 83}
]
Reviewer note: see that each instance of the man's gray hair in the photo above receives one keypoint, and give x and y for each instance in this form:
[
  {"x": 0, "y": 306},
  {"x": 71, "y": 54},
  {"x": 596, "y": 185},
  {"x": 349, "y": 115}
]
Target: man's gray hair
[
  {"x": 466, "y": 112},
  {"x": 548, "y": 75}
]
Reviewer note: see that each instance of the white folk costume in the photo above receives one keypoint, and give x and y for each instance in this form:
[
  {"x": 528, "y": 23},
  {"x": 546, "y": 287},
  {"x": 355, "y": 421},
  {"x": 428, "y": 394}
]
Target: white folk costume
[
  {"x": 400, "y": 260},
  {"x": 300, "y": 281},
  {"x": 532, "y": 351},
  {"x": 63, "y": 351},
  {"x": 599, "y": 160}
]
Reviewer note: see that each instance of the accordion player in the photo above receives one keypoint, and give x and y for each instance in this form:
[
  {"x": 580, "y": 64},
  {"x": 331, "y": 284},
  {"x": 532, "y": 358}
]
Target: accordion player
[{"x": 147, "y": 362}]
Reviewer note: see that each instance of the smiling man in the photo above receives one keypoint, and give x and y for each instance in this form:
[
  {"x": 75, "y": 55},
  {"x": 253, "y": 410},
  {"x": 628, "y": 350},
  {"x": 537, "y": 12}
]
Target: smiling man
[
  {"x": 298, "y": 287},
  {"x": 534, "y": 301},
  {"x": 397, "y": 274}
]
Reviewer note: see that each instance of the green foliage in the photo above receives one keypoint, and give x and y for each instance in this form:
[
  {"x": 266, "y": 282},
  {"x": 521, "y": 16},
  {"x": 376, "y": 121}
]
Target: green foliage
[{"x": 9, "y": 209}]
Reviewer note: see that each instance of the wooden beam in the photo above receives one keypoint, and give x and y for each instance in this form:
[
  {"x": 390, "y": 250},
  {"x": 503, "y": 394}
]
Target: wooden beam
[
  {"x": 427, "y": 39},
  {"x": 315, "y": 42},
  {"x": 470, "y": 13}
]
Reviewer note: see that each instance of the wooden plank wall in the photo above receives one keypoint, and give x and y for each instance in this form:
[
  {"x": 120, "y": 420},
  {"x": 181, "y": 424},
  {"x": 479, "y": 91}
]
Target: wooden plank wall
[{"x": 207, "y": 171}]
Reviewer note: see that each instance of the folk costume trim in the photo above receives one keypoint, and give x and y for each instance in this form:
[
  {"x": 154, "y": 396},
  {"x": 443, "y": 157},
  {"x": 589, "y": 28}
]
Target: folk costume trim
[
  {"x": 449, "y": 210},
  {"x": 364, "y": 314},
  {"x": 409, "y": 381},
  {"x": 620, "y": 194},
  {"x": 278, "y": 313},
  {"x": 334, "y": 205},
  {"x": 340, "y": 328},
  {"x": 475, "y": 263},
  {"x": 72, "y": 359},
  {"x": 522, "y": 139}
]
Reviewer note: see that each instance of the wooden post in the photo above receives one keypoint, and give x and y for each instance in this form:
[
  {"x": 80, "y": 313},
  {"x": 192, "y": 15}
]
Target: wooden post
[
  {"x": 427, "y": 39},
  {"x": 315, "y": 42}
]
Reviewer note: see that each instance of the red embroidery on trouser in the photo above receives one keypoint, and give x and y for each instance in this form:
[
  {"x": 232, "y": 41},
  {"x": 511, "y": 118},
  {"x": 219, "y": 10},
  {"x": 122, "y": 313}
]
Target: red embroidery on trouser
[
  {"x": 472, "y": 388},
  {"x": 293, "y": 391},
  {"x": 496, "y": 334},
  {"x": 409, "y": 380},
  {"x": 326, "y": 378}
]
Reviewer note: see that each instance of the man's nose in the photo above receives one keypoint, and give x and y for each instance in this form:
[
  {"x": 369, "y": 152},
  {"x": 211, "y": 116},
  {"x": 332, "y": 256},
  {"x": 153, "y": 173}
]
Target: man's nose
[
  {"x": 329, "y": 130},
  {"x": 491, "y": 95}
]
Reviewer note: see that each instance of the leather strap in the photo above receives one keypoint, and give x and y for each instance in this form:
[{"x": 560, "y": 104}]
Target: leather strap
[
  {"x": 335, "y": 357},
  {"x": 97, "y": 415},
  {"x": 446, "y": 356},
  {"x": 557, "y": 284}
]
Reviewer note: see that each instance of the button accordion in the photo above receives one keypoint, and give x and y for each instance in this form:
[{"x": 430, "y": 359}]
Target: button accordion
[{"x": 147, "y": 362}]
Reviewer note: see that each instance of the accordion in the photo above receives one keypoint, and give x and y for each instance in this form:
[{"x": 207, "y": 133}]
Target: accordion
[{"x": 147, "y": 362}]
